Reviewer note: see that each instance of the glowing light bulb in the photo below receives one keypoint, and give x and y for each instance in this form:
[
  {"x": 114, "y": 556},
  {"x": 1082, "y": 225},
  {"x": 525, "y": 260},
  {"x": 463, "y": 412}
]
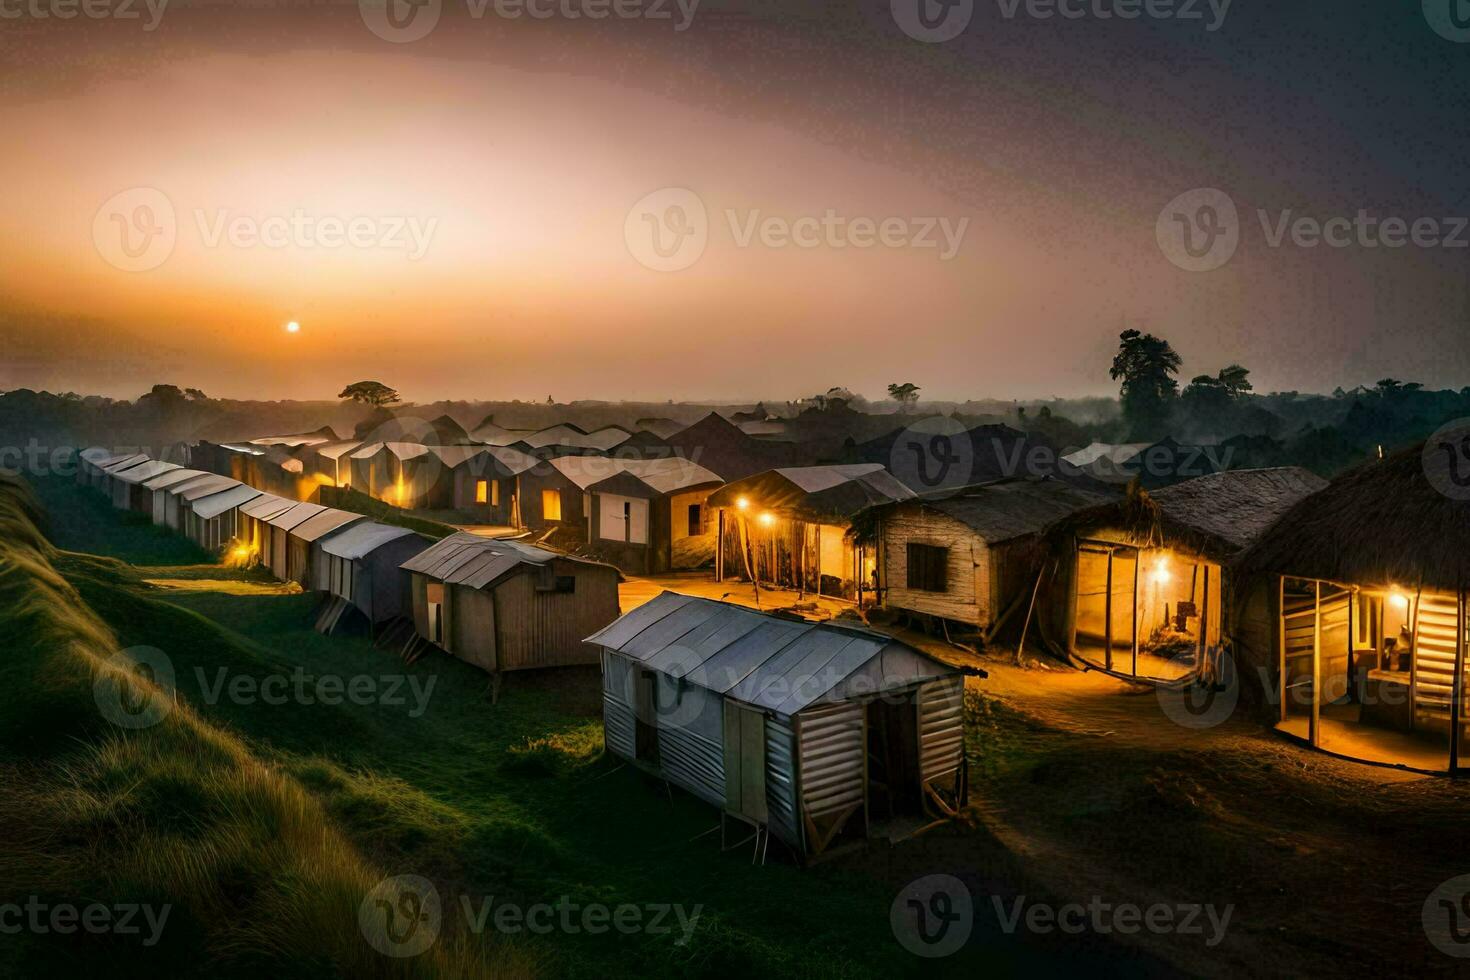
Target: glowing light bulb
[
  {"x": 293, "y": 327},
  {"x": 742, "y": 503},
  {"x": 768, "y": 519}
]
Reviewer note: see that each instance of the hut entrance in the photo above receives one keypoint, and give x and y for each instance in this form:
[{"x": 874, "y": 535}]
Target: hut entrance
[
  {"x": 1373, "y": 673},
  {"x": 894, "y": 783},
  {"x": 645, "y": 715},
  {"x": 1145, "y": 612}
]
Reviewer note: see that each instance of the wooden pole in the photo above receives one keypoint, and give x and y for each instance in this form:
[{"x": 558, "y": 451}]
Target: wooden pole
[
  {"x": 1281, "y": 643},
  {"x": 1108, "y": 616},
  {"x": 1316, "y": 665},
  {"x": 1137, "y": 561}
]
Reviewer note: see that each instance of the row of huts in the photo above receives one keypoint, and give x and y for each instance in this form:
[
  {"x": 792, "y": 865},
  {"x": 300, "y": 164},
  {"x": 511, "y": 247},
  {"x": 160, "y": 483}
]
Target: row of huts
[{"x": 501, "y": 605}]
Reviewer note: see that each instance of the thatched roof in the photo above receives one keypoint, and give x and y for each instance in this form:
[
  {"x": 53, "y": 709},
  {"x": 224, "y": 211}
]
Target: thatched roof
[
  {"x": 1382, "y": 523},
  {"x": 819, "y": 494},
  {"x": 1006, "y": 509},
  {"x": 1217, "y": 516}
]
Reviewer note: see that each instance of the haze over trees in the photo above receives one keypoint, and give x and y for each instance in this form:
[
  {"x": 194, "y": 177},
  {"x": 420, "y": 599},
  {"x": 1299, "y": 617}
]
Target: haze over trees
[{"x": 1146, "y": 365}]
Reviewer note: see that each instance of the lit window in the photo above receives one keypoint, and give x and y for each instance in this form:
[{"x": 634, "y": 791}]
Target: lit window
[
  {"x": 495, "y": 493},
  {"x": 482, "y": 491},
  {"x": 551, "y": 505}
]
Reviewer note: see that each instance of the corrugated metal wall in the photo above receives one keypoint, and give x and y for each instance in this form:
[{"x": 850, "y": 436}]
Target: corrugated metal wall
[
  {"x": 831, "y": 761},
  {"x": 781, "y": 784},
  {"x": 617, "y": 711},
  {"x": 544, "y": 628},
  {"x": 941, "y": 727}
]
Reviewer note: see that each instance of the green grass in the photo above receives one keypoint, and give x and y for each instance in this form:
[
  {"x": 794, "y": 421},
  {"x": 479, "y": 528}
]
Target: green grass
[
  {"x": 257, "y": 877},
  {"x": 515, "y": 800},
  {"x": 87, "y": 521}
]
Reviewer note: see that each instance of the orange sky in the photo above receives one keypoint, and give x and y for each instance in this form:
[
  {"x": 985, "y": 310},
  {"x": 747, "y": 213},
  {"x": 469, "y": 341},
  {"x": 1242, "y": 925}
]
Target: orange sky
[{"x": 518, "y": 165}]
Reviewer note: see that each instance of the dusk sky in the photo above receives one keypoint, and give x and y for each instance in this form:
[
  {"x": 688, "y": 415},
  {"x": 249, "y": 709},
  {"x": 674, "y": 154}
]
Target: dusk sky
[{"x": 492, "y": 172}]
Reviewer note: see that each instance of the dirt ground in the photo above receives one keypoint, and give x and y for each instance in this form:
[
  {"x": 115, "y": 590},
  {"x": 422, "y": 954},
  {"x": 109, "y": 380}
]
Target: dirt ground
[{"x": 1085, "y": 787}]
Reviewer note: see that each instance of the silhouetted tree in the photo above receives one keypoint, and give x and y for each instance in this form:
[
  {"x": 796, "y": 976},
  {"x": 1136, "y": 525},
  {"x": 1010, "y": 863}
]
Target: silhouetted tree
[
  {"x": 1146, "y": 366},
  {"x": 373, "y": 393}
]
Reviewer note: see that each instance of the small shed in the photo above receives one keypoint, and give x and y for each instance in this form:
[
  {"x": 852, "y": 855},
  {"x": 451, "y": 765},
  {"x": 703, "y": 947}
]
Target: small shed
[
  {"x": 152, "y": 499},
  {"x": 89, "y": 461},
  {"x": 128, "y": 492},
  {"x": 789, "y": 527},
  {"x": 213, "y": 521},
  {"x": 254, "y": 532},
  {"x": 115, "y": 465},
  {"x": 276, "y": 553},
  {"x": 360, "y": 566},
  {"x": 808, "y": 732},
  {"x": 487, "y": 483},
  {"x": 303, "y": 542},
  {"x": 504, "y": 605},
  {"x": 970, "y": 556},
  {"x": 641, "y": 514},
  {"x": 181, "y": 495}
]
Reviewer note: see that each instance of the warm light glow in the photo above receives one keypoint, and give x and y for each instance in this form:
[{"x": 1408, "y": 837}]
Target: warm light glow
[
  {"x": 1399, "y": 600},
  {"x": 768, "y": 519},
  {"x": 293, "y": 327},
  {"x": 240, "y": 554},
  {"x": 742, "y": 503},
  {"x": 1161, "y": 573}
]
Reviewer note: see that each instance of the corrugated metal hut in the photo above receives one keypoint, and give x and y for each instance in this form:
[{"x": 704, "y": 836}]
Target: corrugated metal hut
[
  {"x": 254, "y": 533},
  {"x": 809, "y": 732},
  {"x": 638, "y": 515},
  {"x": 128, "y": 492},
  {"x": 212, "y": 521},
  {"x": 89, "y": 460},
  {"x": 177, "y": 496},
  {"x": 276, "y": 551},
  {"x": 487, "y": 484},
  {"x": 359, "y": 566},
  {"x": 117, "y": 464},
  {"x": 152, "y": 499},
  {"x": 503, "y": 605},
  {"x": 788, "y": 527},
  {"x": 303, "y": 542}
]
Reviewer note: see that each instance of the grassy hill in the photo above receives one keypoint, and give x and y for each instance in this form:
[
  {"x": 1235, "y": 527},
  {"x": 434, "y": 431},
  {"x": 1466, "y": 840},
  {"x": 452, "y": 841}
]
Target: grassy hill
[
  {"x": 515, "y": 801},
  {"x": 183, "y": 813}
]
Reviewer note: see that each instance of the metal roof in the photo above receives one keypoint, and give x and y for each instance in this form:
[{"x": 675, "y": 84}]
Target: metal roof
[
  {"x": 146, "y": 471},
  {"x": 291, "y": 517},
  {"x": 662, "y": 475},
  {"x": 771, "y": 662},
  {"x": 828, "y": 494},
  {"x": 360, "y": 540},
  {"x": 171, "y": 477},
  {"x": 123, "y": 462},
  {"x": 195, "y": 489},
  {"x": 174, "y": 489},
  {"x": 217, "y": 503},
  {"x": 266, "y": 506},
  {"x": 470, "y": 560},
  {"x": 319, "y": 526}
]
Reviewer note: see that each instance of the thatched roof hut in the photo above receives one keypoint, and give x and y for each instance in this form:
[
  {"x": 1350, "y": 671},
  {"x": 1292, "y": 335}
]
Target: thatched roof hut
[{"x": 1382, "y": 522}]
